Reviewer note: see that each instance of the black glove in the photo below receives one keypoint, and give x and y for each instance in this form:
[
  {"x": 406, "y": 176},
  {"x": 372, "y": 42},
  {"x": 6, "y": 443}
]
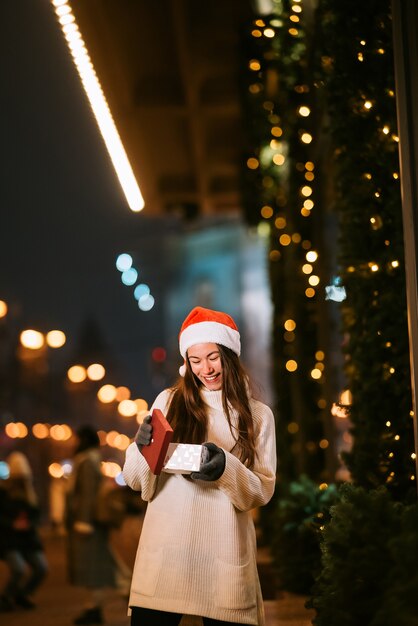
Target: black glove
[
  {"x": 143, "y": 436},
  {"x": 214, "y": 467}
]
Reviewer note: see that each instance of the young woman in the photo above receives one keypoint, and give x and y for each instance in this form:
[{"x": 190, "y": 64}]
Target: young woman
[{"x": 197, "y": 550}]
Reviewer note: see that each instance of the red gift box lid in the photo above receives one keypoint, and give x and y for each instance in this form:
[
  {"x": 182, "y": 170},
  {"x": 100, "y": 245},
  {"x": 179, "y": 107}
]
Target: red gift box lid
[{"x": 162, "y": 434}]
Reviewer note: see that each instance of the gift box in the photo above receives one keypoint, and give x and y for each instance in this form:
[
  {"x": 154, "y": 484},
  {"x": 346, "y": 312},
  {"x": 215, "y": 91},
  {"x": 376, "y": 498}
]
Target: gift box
[
  {"x": 184, "y": 458},
  {"x": 162, "y": 434}
]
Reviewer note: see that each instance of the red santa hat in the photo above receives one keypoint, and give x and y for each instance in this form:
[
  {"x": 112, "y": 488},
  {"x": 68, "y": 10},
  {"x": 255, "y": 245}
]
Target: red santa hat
[{"x": 207, "y": 326}]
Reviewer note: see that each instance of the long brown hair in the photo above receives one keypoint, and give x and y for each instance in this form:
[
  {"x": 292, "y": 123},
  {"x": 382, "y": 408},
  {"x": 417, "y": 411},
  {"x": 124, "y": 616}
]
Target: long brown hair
[{"x": 187, "y": 413}]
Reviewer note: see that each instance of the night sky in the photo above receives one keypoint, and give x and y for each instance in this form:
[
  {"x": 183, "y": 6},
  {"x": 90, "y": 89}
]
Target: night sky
[{"x": 64, "y": 215}]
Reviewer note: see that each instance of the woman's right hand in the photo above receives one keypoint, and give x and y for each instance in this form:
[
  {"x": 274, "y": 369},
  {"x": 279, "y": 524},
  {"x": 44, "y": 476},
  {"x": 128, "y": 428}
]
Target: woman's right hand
[{"x": 144, "y": 434}]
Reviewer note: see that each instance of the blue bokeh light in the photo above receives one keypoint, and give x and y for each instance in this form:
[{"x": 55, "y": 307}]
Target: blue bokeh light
[
  {"x": 129, "y": 276},
  {"x": 4, "y": 470},
  {"x": 141, "y": 290},
  {"x": 119, "y": 480},
  {"x": 146, "y": 302},
  {"x": 124, "y": 262}
]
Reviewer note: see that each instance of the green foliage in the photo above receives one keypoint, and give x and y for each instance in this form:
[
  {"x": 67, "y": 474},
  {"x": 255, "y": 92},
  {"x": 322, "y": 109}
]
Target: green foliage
[
  {"x": 300, "y": 509},
  {"x": 368, "y": 574},
  {"x": 357, "y": 77},
  {"x": 400, "y": 605}
]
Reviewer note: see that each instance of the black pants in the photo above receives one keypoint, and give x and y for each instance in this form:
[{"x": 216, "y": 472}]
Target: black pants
[{"x": 148, "y": 617}]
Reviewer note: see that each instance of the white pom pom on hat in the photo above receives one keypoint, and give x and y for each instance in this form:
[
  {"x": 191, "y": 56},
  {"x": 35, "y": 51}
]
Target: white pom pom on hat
[{"x": 208, "y": 326}]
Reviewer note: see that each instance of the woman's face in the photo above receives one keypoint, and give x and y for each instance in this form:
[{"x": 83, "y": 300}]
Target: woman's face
[{"x": 205, "y": 361}]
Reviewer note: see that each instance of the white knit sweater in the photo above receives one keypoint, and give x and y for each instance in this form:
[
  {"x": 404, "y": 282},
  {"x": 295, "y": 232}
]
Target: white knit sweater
[{"x": 197, "y": 550}]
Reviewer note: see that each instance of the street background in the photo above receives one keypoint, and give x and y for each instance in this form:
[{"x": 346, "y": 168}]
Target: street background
[{"x": 58, "y": 603}]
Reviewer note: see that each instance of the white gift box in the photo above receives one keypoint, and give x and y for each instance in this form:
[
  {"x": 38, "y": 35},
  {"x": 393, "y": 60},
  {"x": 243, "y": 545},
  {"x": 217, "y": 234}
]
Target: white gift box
[{"x": 184, "y": 458}]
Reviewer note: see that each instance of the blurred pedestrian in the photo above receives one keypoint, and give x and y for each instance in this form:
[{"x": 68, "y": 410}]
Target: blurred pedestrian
[
  {"x": 20, "y": 543},
  {"x": 90, "y": 559},
  {"x": 197, "y": 549}
]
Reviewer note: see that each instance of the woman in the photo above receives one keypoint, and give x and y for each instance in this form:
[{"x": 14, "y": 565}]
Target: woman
[
  {"x": 197, "y": 550},
  {"x": 91, "y": 563},
  {"x": 20, "y": 542}
]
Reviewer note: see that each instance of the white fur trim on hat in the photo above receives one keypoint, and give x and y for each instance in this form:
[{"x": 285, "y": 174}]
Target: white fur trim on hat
[
  {"x": 208, "y": 326},
  {"x": 209, "y": 332}
]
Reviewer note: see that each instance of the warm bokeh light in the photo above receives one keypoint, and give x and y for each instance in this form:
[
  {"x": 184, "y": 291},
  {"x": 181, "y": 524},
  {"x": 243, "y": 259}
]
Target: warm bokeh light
[
  {"x": 60, "y": 432},
  {"x": 290, "y": 325},
  {"x": 32, "y": 339},
  {"x": 266, "y": 212},
  {"x": 55, "y": 338},
  {"x": 107, "y": 394},
  {"x": 111, "y": 438},
  {"x": 346, "y": 397},
  {"x": 141, "y": 404},
  {"x": 252, "y": 163},
  {"x": 311, "y": 256},
  {"x": 280, "y": 222},
  {"x": 16, "y": 430},
  {"x": 127, "y": 408},
  {"x": 316, "y": 373},
  {"x": 278, "y": 159},
  {"x": 95, "y": 371},
  {"x": 141, "y": 415},
  {"x": 304, "y": 111},
  {"x": 40, "y": 431},
  {"x": 98, "y": 104},
  {"x": 56, "y": 470},
  {"x": 102, "y": 437},
  {"x": 77, "y": 374},
  {"x": 3, "y": 308},
  {"x": 121, "y": 442},
  {"x": 313, "y": 280},
  {"x": 291, "y": 365},
  {"x": 110, "y": 469},
  {"x": 122, "y": 393}
]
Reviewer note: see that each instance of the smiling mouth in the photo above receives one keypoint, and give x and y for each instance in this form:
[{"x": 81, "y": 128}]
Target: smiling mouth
[{"x": 211, "y": 379}]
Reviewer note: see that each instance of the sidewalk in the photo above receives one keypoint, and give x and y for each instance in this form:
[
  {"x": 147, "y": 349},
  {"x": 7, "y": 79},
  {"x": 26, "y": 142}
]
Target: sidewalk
[{"x": 58, "y": 603}]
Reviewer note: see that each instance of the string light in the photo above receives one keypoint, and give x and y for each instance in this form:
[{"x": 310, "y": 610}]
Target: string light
[{"x": 98, "y": 104}]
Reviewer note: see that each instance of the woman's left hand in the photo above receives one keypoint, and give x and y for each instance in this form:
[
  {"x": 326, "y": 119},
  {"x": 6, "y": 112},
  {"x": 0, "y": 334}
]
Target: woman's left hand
[{"x": 214, "y": 467}]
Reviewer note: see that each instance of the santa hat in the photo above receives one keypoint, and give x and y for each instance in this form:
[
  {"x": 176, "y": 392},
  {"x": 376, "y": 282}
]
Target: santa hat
[{"x": 207, "y": 326}]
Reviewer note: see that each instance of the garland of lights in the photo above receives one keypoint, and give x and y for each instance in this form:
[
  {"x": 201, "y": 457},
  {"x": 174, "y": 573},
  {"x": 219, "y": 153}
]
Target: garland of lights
[
  {"x": 352, "y": 82},
  {"x": 280, "y": 198},
  {"x": 357, "y": 74}
]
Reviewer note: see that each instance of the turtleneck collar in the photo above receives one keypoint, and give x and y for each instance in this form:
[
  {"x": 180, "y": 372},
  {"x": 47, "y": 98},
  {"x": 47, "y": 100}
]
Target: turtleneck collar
[{"x": 212, "y": 398}]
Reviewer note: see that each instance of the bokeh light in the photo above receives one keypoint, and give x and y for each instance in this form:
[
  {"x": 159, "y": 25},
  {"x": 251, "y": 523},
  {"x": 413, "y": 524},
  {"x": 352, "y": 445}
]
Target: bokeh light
[
  {"x": 96, "y": 371},
  {"x": 146, "y": 302},
  {"x": 55, "y": 338},
  {"x": 107, "y": 393},
  {"x": 129, "y": 277},
  {"x": 127, "y": 408},
  {"x": 32, "y": 339},
  {"x": 77, "y": 374},
  {"x": 124, "y": 262},
  {"x": 141, "y": 290}
]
